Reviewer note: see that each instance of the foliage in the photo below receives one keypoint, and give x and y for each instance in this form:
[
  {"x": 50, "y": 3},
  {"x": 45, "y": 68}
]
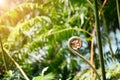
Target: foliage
[
  {"x": 112, "y": 73},
  {"x": 36, "y": 32}
]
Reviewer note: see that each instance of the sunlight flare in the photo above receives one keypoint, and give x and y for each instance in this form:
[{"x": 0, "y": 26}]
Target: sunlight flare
[{"x": 2, "y": 2}]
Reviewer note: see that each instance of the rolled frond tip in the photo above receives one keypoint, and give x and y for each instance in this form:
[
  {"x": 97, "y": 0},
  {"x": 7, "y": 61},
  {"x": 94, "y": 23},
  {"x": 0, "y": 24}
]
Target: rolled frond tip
[{"x": 75, "y": 43}]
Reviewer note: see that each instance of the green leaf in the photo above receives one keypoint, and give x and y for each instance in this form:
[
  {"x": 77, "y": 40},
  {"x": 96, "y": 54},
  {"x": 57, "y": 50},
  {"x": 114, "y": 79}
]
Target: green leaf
[{"x": 49, "y": 76}]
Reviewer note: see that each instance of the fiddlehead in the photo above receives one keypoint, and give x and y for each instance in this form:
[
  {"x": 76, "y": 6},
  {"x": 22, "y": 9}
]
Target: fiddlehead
[{"x": 75, "y": 43}]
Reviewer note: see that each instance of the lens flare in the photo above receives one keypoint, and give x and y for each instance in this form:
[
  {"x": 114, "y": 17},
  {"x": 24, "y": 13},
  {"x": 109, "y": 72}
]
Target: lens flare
[{"x": 2, "y": 3}]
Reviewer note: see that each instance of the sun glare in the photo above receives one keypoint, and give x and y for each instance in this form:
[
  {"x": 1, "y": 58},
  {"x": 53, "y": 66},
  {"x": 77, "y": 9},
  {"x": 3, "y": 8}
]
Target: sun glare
[{"x": 2, "y": 2}]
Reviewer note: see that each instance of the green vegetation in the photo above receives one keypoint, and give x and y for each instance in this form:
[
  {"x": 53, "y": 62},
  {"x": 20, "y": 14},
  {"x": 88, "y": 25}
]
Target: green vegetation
[{"x": 34, "y": 36}]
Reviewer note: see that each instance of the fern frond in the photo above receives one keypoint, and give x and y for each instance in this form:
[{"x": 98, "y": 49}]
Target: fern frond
[{"x": 19, "y": 12}]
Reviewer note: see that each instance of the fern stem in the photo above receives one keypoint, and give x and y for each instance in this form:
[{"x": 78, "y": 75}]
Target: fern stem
[
  {"x": 99, "y": 42},
  {"x": 17, "y": 65},
  {"x": 106, "y": 30},
  {"x": 92, "y": 54},
  {"x": 68, "y": 29},
  {"x": 91, "y": 5},
  {"x": 71, "y": 40},
  {"x": 3, "y": 57}
]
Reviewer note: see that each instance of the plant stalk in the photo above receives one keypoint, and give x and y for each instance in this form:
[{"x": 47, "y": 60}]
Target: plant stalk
[
  {"x": 92, "y": 54},
  {"x": 3, "y": 56},
  {"x": 80, "y": 56},
  {"x": 118, "y": 11},
  {"x": 99, "y": 42},
  {"x": 108, "y": 39},
  {"x": 17, "y": 65}
]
